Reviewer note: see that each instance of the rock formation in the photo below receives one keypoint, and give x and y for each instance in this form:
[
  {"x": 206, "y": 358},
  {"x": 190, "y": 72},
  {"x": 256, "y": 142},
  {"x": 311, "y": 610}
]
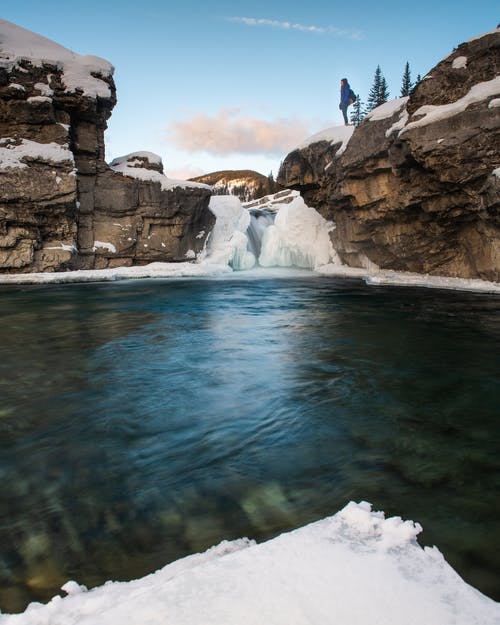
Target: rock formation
[
  {"x": 61, "y": 206},
  {"x": 416, "y": 186}
]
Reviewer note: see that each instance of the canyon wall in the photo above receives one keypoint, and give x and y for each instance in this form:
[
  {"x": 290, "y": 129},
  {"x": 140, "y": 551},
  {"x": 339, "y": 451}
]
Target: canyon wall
[{"x": 416, "y": 187}]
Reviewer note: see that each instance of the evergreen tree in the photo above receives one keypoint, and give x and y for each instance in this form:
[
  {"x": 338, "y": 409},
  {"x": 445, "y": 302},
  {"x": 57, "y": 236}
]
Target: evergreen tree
[
  {"x": 384, "y": 92},
  {"x": 379, "y": 93},
  {"x": 272, "y": 183},
  {"x": 406, "y": 85},
  {"x": 358, "y": 112}
]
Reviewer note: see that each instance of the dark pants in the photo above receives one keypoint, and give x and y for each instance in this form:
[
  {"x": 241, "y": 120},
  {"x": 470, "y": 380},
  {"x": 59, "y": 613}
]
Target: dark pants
[{"x": 343, "y": 108}]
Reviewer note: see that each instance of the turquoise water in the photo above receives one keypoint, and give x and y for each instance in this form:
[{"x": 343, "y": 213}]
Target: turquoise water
[{"x": 143, "y": 421}]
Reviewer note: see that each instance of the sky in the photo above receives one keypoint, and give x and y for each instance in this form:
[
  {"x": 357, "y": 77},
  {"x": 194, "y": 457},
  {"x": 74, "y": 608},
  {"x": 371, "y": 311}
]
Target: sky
[{"x": 237, "y": 85}]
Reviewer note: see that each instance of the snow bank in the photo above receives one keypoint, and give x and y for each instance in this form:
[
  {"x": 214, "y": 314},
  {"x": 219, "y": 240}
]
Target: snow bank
[
  {"x": 18, "y": 44},
  {"x": 133, "y": 166},
  {"x": 335, "y": 134},
  {"x": 299, "y": 237},
  {"x": 402, "y": 278},
  {"x": 349, "y": 569},
  {"x": 433, "y": 113},
  {"x": 387, "y": 109},
  {"x": 14, "y": 154}
]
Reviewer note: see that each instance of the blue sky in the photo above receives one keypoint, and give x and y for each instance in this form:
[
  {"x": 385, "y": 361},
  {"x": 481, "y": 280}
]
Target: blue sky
[{"x": 232, "y": 85}]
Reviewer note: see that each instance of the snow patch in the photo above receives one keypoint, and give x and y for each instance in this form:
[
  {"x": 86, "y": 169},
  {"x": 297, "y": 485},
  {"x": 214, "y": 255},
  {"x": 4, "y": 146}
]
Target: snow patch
[
  {"x": 36, "y": 99},
  {"x": 495, "y": 103},
  {"x": 333, "y": 135},
  {"x": 104, "y": 246},
  {"x": 460, "y": 62},
  {"x": 388, "y": 109},
  {"x": 496, "y": 172},
  {"x": 78, "y": 72},
  {"x": 13, "y": 154},
  {"x": 434, "y": 113},
  {"x": 132, "y": 166},
  {"x": 400, "y": 124},
  {"x": 44, "y": 88}
]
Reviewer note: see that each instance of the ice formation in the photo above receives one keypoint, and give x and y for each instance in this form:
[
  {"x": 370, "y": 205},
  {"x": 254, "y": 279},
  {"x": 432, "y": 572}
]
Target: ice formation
[{"x": 349, "y": 569}]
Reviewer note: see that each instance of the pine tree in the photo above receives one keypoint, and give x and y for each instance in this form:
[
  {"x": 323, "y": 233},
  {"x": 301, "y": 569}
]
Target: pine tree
[
  {"x": 406, "y": 85},
  {"x": 358, "y": 112},
  {"x": 384, "y": 92},
  {"x": 379, "y": 93},
  {"x": 272, "y": 183}
]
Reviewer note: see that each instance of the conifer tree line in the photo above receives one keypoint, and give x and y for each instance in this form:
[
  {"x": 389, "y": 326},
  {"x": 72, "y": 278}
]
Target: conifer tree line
[{"x": 379, "y": 94}]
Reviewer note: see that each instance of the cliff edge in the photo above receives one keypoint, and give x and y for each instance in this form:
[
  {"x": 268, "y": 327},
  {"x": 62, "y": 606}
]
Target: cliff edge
[
  {"x": 416, "y": 187},
  {"x": 61, "y": 206}
]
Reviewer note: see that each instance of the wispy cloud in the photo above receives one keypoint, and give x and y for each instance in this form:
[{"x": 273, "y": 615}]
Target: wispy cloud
[
  {"x": 318, "y": 30},
  {"x": 231, "y": 132}
]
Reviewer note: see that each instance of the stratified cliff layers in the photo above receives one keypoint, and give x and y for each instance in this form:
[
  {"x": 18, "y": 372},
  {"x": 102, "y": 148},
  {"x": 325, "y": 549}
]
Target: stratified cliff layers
[
  {"x": 416, "y": 187},
  {"x": 61, "y": 206}
]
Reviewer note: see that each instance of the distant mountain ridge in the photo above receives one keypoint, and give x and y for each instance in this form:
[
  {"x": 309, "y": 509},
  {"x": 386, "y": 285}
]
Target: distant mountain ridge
[{"x": 246, "y": 184}]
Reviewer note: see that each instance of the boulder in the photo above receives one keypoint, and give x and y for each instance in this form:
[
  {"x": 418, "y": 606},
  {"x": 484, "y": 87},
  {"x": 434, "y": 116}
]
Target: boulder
[{"x": 415, "y": 187}]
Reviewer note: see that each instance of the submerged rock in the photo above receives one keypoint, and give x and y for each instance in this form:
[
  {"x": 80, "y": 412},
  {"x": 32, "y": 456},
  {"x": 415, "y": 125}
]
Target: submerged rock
[
  {"x": 62, "y": 207},
  {"x": 416, "y": 187}
]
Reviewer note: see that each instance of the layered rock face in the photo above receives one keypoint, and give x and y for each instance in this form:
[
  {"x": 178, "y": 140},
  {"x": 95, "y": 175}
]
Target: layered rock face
[
  {"x": 416, "y": 187},
  {"x": 61, "y": 206}
]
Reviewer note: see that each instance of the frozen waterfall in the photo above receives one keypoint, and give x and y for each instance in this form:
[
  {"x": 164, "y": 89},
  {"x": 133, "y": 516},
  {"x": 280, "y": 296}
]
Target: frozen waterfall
[
  {"x": 260, "y": 220},
  {"x": 277, "y": 231}
]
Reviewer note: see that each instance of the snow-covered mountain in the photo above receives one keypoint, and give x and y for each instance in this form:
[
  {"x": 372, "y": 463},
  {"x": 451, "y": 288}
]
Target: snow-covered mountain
[{"x": 245, "y": 184}]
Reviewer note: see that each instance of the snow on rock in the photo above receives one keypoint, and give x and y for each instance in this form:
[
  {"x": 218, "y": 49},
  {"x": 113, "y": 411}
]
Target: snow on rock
[
  {"x": 14, "y": 154},
  {"x": 495, "y": 103},
  {"x": 353, "y": 568},
  {"x": 335, "y": 134},
  {"x": 299, "y": 237},
  {"x": 432, "y": 113},
  {"x": 496, "y": 172},
  {"x": 152, "y": 270},
  {"x": 460, "y": 62},
  {"x": 78, "y": 72},
  {"x": 105, "y": 246},
  {"x": 374, "y": 276},
  {"x": 388, "y": 109},
  {"x": 148, "y": 166}
]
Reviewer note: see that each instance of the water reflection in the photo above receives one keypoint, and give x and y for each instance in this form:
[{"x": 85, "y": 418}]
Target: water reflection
[{"x": 144, "y": 421}]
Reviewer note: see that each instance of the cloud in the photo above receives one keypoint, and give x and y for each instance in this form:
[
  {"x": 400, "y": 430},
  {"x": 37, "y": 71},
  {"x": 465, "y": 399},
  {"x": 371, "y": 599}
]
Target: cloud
[
  {"x": 185, "y": 172},
  {"x": 230, "y": 132},
  {"x": 318, "y": 30}
]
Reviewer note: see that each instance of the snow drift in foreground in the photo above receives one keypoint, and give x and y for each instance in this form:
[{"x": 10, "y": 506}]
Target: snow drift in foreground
[
  {"x": 349, "y": 569},
  {"x": 299, "y": 238}
]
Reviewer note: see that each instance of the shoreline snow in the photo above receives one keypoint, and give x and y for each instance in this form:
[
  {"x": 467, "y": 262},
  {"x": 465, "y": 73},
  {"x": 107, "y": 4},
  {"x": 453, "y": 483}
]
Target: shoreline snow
[
  {"x": 217, "y": 270},
  {"x": 348, "y": 569}
]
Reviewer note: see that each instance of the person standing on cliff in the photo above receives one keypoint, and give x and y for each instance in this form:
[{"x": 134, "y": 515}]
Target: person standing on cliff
[{"x": 345, "y": 98}]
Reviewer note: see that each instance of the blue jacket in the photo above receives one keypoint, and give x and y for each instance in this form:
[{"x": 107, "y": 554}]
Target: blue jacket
[{"x": 344, "y": 94}]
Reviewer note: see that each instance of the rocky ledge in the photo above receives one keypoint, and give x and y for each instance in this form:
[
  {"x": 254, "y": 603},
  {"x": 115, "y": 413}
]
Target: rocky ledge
[
  {"x": 61, "y": 206},
  {"x": 416, "y": 187}
]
